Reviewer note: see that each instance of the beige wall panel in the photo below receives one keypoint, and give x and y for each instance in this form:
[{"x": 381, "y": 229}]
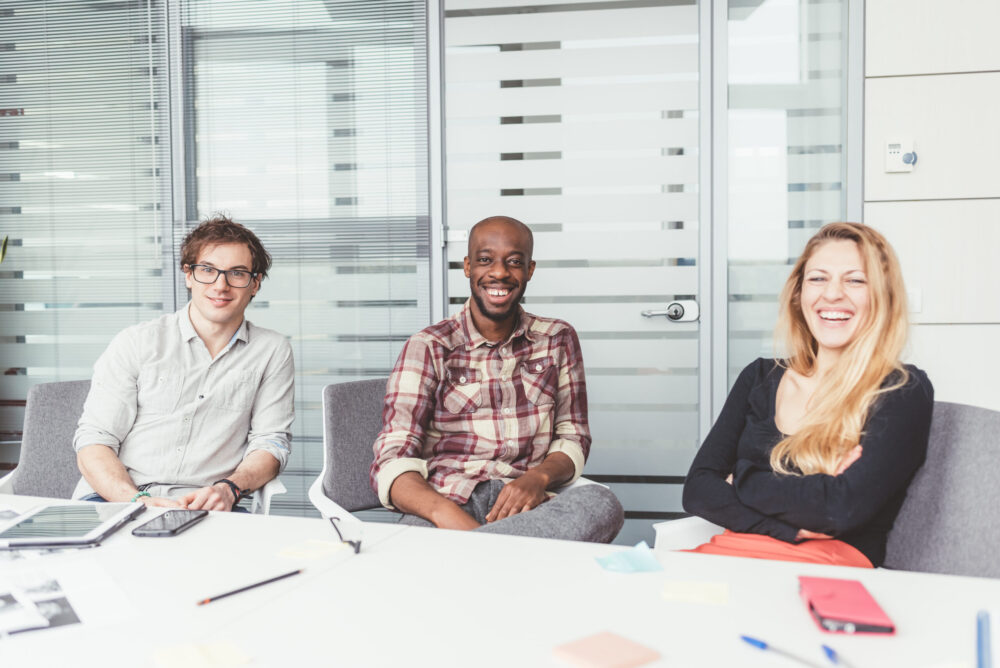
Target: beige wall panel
[
  {"x": 947, "y": 250},
  {"x": 961, "y": 362},
  {"x": 931, "y": 36},
  {"x": 952, "y": 121}
]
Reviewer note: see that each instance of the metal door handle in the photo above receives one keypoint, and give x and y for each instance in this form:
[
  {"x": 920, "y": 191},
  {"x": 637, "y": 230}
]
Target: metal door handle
[{"x": 681, "y": 311}]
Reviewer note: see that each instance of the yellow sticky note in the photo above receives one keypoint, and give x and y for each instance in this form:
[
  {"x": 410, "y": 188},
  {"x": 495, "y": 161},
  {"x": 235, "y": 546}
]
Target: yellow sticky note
[
  {"x": 211, "y": 655},
  {"x": 712, "y": 593},
  {"x": 312, "y": 549}
]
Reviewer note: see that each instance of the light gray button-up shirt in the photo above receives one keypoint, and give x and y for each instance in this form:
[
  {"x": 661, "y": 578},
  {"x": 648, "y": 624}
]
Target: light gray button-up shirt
[{"x": 180, "y": 420}]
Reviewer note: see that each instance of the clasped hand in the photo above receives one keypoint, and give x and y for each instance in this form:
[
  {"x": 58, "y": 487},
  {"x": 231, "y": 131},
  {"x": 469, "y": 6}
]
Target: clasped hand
[
  {"x": 519, "y": 495},
  {"x": 216, "y": 497}
]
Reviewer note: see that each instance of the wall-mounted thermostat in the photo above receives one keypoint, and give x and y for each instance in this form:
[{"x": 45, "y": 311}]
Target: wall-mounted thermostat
[{"x": 899, "y": 155}]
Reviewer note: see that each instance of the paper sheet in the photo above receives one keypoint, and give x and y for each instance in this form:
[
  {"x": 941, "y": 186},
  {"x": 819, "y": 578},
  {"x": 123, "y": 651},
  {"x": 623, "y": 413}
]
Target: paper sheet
[
  {"x": 639, "y": 559},
  {"x": 312, "y": 549},
  {"x": 711, "y": 593},
  {"x": 207, "y": 655}
]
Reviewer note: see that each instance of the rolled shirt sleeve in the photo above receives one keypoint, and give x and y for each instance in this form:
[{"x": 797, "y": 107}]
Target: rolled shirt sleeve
[
  {"x": 274, "y": 408},
  {"x": 111, "y": 406}
]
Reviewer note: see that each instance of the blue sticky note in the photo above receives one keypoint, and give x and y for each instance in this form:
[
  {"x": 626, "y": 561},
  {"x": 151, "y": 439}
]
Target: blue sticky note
[{"x": 639, "y": 559}]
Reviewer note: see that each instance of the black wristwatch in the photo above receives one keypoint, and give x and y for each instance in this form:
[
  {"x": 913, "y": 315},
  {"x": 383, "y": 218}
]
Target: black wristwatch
[{"x": 237, "y": 494}]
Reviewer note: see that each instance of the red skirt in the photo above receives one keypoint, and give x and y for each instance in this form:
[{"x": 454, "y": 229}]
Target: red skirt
[{"x": 756, "y": 546}]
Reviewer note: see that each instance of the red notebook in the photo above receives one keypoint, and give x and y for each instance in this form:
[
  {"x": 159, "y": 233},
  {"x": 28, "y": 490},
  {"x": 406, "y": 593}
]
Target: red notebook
[{"x": 843, "y": 606}]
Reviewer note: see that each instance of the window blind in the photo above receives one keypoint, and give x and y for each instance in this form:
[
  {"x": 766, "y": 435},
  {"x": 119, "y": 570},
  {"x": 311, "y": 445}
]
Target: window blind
[
  {"x": 308, "y": 123},
  {"x": 84, "y": 186}
]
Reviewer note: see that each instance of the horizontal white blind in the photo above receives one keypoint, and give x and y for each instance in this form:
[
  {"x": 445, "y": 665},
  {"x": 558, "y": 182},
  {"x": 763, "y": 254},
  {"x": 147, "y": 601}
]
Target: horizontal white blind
[
  {"x": 84, "y": 188},
  {"x": 308, "y": 122}
]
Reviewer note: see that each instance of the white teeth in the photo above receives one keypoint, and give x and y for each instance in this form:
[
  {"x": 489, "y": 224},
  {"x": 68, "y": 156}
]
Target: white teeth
[
  {"x": 493, "y": 292},
  {"x": 834, "y": 315}
]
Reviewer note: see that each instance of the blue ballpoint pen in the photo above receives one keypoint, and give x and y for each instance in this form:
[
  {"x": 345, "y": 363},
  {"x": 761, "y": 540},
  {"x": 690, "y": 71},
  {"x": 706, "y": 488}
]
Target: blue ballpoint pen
[
  {"x": 984, "y": 653},
  {"x": 835, "y": 658},
  {"x": 760, "y": 644}
]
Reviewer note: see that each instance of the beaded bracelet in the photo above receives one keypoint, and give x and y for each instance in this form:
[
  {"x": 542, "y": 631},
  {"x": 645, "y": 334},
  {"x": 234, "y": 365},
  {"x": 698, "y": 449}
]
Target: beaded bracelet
[{"x": 139, "y": 494}]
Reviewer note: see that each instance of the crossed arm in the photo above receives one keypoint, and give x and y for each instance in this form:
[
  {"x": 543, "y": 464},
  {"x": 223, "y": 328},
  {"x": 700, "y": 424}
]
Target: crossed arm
[{"x": 791, "y": 508}]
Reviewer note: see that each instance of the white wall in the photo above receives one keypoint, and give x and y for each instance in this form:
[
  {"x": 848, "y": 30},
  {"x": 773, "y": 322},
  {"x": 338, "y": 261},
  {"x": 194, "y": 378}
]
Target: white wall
[{"x": 932, "y": 74}]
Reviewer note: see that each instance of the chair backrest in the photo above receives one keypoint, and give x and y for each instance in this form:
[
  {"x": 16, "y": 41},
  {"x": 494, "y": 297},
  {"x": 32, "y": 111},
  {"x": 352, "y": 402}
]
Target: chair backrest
[
  {"x": 47, "y": 465},
  {"x": 950, "y": 521},
  {"x": 352, "y": 418}
]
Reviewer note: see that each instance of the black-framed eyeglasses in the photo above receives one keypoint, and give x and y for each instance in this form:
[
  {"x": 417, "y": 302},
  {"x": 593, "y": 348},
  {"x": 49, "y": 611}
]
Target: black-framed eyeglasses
[
  {"x": 236, "y": 278},
  {"x": 356, "y": 544}
]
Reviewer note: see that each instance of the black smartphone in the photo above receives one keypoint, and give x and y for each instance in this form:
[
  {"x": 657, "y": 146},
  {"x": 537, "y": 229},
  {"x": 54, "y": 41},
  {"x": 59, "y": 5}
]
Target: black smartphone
[{"x": 170, "y": 523}]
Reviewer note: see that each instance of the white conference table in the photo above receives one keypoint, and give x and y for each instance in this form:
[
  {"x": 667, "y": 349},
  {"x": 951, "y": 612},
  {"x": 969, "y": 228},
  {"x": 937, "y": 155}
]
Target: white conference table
[{"x": 416, "y": 597}]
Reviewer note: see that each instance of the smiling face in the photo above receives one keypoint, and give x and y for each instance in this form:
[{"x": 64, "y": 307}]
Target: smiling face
[
  {"x": 498, "y": 266},
  {"x": 834, "y": 295},
  {"x": 217, "y": 305}
]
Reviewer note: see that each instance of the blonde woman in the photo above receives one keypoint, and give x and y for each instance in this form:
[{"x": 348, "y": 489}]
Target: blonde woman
[{"x": 811, "y": 456}]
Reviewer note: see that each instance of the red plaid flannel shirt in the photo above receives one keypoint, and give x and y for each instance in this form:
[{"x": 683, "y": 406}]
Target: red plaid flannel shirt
[{"x": 460, "y": 411}]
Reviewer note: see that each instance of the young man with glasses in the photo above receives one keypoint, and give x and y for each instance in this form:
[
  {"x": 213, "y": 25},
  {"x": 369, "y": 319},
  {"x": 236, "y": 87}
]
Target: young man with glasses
[{"x": 195, "y": 408}]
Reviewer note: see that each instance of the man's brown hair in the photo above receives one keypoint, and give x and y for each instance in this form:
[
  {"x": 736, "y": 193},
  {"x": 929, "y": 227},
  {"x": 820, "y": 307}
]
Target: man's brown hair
[{"x": 221, "y": 229}]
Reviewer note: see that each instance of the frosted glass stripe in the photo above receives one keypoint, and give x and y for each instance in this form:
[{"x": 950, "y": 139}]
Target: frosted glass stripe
[
  {"x": 571, "y": 63},
  {"x": 594, "y": 99},
  {"x": 603, "y": 24},
  {"x": 576, "y": 173},
  {"x": 597, "y": 281},
  {"x": 464, "y": 209},
  {"x": 569, "y": 136}
]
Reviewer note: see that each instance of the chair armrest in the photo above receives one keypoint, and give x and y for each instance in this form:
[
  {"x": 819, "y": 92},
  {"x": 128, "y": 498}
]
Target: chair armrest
[
  {"x": 684, "y": 534},
  {"x": 261, "y": 504},
  {"x": 579, "y": 482},
  {"x": 7, "y": 483},
  {"x": 326, "y": 506}
]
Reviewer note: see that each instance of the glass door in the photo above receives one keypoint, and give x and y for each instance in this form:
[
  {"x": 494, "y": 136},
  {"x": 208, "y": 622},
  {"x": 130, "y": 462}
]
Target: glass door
[{"x": 582, "y": 120}]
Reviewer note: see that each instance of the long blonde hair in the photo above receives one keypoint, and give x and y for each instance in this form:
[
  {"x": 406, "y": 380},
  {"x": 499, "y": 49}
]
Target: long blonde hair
[{"x": 835, "y": 420}]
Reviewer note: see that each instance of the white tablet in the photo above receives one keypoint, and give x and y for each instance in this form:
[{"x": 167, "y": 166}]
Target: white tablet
[{"x": 76, "y": 525}]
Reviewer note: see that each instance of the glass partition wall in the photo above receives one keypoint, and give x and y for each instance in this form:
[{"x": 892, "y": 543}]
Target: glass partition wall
[{"x": 123, "y": 124}]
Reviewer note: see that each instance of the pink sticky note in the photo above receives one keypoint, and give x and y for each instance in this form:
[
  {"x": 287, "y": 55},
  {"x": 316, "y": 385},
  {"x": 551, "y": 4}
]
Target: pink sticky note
[{"x": 605, "y": 650}]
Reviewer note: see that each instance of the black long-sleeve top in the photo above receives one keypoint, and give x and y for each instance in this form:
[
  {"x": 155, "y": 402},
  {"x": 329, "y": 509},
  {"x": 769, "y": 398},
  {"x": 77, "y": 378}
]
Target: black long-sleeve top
[{"x": 857, "y": 507}]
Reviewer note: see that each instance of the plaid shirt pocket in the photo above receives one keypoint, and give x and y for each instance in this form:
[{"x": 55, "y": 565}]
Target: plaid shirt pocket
[
  {"x": 460, "y": 393},
  {"x": 540, "y": 378}
]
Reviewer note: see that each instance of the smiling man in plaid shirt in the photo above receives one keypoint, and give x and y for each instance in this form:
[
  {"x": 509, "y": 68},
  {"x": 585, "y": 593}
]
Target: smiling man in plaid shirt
[{"x": 486, "y": 412}]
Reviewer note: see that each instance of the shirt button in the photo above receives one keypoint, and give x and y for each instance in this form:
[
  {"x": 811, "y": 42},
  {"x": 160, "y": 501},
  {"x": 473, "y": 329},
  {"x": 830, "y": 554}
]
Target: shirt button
[
  {"x": 201, "y": 396},
  {"x": 504, "y": 350},
  {"x": 462, "y": 379},
  {"x": 506, "y": 410},
  {"x": 187, "y": 419},
  {"x": 538, "y": 367},
  {"x": 510, "y": 442},
  {"x": 503, "y": 377}
]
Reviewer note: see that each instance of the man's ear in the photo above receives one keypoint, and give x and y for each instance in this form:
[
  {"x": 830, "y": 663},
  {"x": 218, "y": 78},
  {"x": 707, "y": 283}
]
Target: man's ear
[
  {"x": 468, "y": 267},
  {"x": 531, "y": 269}
]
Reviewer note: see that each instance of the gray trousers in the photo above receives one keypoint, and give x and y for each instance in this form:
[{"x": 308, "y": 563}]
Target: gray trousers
[{"x": 589, "y": 513}]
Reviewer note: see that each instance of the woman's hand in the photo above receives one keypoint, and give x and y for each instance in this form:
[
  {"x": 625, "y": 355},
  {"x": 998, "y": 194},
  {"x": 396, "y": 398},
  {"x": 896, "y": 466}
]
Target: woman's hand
[
  {"x": 853, "y": 455},
  {"x": 805, "y": 534}
]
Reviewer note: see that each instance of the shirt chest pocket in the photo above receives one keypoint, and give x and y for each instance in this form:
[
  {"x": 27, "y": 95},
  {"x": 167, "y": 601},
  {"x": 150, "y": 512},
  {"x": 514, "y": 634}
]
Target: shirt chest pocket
[
  {"x": 461, "y": 391},
  {"x": 236, "y": 391},
  {"x": 158, "y": 390},
  {"x": 540, "y": 378}
]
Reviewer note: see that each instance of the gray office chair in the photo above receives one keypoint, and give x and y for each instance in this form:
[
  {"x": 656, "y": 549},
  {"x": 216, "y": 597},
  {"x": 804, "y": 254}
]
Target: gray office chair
[
  {"x": 47, "y": 465},
  {"x": 352, "y": 418},
  {"x": 950, "y": 520}
]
